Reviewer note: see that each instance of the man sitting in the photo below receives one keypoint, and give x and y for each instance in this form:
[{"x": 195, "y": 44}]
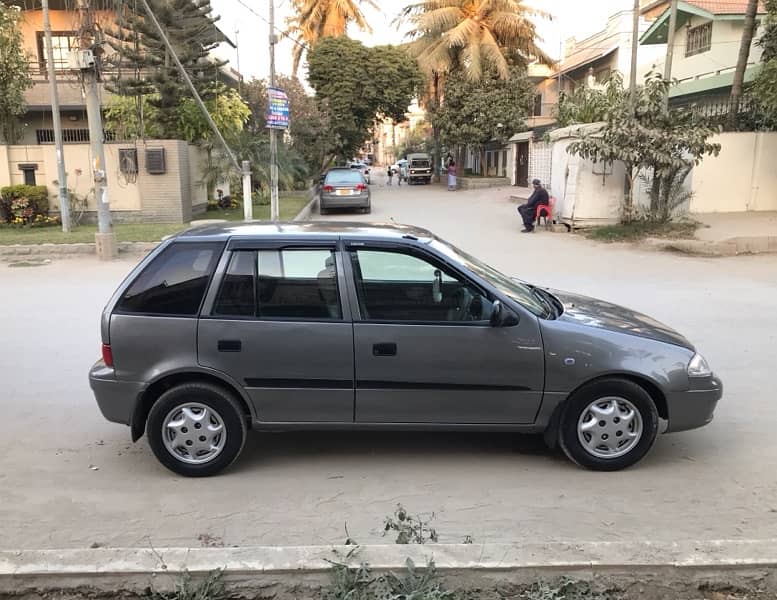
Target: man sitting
[{"x": 529, "y": 210}]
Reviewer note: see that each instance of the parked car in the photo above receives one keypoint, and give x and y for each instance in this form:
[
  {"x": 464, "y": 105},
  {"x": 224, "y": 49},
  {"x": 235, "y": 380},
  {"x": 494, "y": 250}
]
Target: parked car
[
  {"x": 344, "y": 188},
  {"x": 273, "y": 327},
  {"x": 400, "y": 168},
  {"x": 420, "y": 168},
  {"x": 363, "y": 169}
]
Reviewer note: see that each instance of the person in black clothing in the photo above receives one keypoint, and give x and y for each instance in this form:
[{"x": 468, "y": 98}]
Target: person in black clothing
[{"x": 529, "y": 210}]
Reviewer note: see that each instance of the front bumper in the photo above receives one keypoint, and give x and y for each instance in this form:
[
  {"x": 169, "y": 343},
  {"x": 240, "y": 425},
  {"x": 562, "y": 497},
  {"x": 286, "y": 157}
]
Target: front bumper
[
  {"x": 694, "y": 407},
  {"x": 117, "y": 399}
]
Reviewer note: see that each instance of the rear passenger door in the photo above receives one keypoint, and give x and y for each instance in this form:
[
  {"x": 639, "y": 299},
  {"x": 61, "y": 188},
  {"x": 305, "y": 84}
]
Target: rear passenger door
[{"x": 277, "y": 322}]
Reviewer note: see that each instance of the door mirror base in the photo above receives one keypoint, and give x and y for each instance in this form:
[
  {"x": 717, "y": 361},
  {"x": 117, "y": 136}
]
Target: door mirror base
[{"x": 501, "y": 316}]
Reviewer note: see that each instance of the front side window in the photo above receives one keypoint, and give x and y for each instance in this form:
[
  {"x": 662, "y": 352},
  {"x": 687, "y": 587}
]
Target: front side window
[
  {"x": 280, "y": 284},
  {"x": 174, "y": 283},
  {"x": 397, "y": 286}
]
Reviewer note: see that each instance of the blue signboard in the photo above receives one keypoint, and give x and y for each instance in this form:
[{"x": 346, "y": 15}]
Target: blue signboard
[{"x": 277, "y": 109}]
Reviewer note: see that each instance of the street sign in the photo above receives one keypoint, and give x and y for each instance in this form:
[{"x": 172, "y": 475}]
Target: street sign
[{"x": 277, "y": 109}]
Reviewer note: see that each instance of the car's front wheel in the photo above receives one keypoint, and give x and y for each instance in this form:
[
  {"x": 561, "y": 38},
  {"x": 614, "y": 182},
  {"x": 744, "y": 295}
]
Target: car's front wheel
[
  {"x": 608, "y": 425},
  {"x": 196, "y": 429}
]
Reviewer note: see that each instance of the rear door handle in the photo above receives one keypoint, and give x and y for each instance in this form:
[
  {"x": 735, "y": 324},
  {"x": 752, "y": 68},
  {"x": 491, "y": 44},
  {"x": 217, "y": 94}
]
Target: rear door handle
[
  {"x": 230, "y": 345},
  {"x": 386, "y": 349}
]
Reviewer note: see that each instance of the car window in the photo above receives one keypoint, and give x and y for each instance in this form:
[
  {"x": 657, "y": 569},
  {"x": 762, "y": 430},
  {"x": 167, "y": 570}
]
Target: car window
[
  {"x": 343, "y": 176},
  {"x": 419, "y": 163},
  {"x": 398, "y": 286},
  {"x": 174, "y": 282},
  {"x": 283, "y": 284}
]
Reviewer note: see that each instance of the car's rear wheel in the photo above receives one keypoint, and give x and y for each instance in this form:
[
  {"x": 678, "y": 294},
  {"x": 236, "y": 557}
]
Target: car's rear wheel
[
  {"x": 323, "y": 211},
  {"x": 608, "y": 425},
  {"x": 196, "y": 429}
]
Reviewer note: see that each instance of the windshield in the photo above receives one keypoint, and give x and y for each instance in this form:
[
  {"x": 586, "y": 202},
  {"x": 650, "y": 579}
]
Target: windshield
[
  {"x": 419, "y": 163},
  {"x": 513, "y": 288}
]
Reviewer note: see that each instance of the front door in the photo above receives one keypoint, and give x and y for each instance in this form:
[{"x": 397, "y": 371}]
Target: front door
[
  {"x": 522, "y": 164},
  {"x": 277, "y": 325},
  {"x": 425, "y": 351}
]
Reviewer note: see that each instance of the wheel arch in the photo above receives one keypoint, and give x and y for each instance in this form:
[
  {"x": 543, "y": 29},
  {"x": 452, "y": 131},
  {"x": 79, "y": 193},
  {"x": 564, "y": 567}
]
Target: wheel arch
[
  {"x": 651, "y": 387},
  {"x": 169, "y": 380}
]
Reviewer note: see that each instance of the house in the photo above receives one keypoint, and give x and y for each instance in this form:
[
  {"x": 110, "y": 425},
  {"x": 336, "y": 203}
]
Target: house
[
  {"x": 148, "y": 179},
  {"x": 706, "y": 46},
  {"x": 390, "y": 138}
]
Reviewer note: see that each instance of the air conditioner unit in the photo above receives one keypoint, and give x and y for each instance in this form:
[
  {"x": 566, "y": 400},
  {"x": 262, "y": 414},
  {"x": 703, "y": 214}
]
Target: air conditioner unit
[{"x": 81, "y": 59}]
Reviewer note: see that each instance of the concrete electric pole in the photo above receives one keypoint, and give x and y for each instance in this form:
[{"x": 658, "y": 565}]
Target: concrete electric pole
[
  {"x": 64, "y": 201},
  {"x": 105, "y": 238},
  {"x": 274, "y": 208},
  {"x": 670, "y": 46},
  {"x": 634, "y": 47}
]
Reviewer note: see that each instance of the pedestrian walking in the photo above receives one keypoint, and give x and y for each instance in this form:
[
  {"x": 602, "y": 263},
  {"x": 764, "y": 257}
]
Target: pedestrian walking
[
  {"x": 390, "y": 174},
  {"x": 452, "y": 175}
]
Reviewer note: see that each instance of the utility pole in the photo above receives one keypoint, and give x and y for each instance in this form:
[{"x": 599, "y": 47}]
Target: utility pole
[
  {"x": 237, "y": 55},
  {"x": 670, "y": 47},
  {"x": 274, "y": 209},
  {"x": 64, "y": 202},
  {"x": 634, "y": 47},
  {"x": 105, "y": 238}
]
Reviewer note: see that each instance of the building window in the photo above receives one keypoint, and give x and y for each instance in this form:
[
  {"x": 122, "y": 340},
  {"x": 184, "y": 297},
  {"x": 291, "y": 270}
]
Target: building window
[
  {"x": 699, "y": 39},
  {"x": 28, "y": 172},
  {"x": 62, "y": 43},
  {"x": 537, "y": 112}
]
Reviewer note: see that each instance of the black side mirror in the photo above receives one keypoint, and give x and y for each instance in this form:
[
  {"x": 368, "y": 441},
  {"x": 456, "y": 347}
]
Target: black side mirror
[{"x": 501, "y": 316}]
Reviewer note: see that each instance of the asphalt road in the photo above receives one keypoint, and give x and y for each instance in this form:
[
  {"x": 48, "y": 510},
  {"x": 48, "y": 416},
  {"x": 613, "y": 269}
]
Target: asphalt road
[{"x": 69, "y": 479}]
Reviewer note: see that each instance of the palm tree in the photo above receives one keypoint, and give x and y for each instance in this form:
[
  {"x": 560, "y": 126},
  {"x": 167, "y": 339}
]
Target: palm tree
[
  {"x": 316, "y": 19},
  {"x": 474, "y": 35}
]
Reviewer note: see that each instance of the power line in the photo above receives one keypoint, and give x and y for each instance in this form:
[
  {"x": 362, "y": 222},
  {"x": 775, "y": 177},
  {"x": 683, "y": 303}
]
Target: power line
[{"x": 279, "y": 31}]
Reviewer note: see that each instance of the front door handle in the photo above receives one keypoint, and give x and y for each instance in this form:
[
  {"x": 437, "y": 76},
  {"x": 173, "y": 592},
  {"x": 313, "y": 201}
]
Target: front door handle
[
  {"x": 386, "y": 349},
  {"x": 230, "y": 345}
]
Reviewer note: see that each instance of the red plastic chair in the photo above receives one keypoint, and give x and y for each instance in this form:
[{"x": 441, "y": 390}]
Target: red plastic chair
[{"x": 545, "y": 210}]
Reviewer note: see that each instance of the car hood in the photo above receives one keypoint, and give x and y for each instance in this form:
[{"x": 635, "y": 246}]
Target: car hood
[{"x": 592, "y": 312}]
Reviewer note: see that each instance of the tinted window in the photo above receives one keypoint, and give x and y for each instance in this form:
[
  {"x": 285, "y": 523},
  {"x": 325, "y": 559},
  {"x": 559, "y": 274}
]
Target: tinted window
[
  {"x": 175, "y": 281},
  {"x": 396, "y": 286},
  {"x": 343, "y": 176},
  {"x": 237, "y": 296},
  {"x": 298, "y": 284}
]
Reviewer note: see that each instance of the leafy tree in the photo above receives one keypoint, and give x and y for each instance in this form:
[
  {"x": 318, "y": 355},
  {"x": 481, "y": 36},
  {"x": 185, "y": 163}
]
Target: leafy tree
[
  {"x": 474, "y": 36},
  {"x": 129, "y": 118},
  {"x": 144, "y": 65},
  {"x": 474, "y": 110},
  {"x": 14, "y": 78},
  {"x": 352, "y": 96},
  {"x": 227, "y": 109},
  {"x": 591, "y": 104},
  {"x": 646, "y": 137},
  {"x": 765, "y": 84},
  {"x": 316, "y": 19},
  {"x": 417, "y": 141}
]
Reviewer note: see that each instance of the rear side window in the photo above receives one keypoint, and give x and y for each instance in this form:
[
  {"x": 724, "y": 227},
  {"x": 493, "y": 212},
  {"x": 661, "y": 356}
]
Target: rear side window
[
  {"x": 280, "y": 284},
  {"x": 174, "y": 283}
]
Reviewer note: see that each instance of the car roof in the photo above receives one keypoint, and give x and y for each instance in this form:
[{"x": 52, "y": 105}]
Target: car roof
[{"x": 314, "y": 230}]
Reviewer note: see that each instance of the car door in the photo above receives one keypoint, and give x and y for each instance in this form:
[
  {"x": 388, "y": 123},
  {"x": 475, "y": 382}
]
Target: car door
[
  {"x": 276, "y": 322},
  {"x": 425, "y": 351}
]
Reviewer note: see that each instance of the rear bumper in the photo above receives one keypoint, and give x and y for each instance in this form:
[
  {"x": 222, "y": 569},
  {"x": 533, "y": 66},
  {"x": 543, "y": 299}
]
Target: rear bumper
[
  {"x": 117, "y": 399},
  {"x": 694, "y": 408},
  {"x": 331, "y": 201}
]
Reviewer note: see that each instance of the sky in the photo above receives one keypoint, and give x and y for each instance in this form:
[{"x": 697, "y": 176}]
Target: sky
[{"x": 246, "y": 22}]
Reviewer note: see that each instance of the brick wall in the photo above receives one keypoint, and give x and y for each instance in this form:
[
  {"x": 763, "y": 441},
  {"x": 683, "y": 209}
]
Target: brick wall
[{"x": 166, "y": 198}]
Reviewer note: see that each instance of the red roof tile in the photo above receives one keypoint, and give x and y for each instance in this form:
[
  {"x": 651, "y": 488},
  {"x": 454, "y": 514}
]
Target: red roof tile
[{"x": 724, "y": 7}]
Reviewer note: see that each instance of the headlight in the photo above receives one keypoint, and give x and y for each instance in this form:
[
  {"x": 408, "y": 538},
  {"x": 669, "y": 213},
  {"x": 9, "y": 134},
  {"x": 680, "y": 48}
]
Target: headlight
[{"x": 698, "y": 367}]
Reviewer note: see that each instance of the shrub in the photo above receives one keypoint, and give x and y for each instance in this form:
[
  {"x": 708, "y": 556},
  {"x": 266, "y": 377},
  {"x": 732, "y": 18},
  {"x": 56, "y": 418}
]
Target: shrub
[{"x": 23, "y": 204}]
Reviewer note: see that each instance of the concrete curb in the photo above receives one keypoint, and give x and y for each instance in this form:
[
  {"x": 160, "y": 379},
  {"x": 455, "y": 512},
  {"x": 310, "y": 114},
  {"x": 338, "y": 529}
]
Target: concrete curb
[
  {"x": 730, "y": 247},
  {"x": 285, "y": 568},
  {"x": 21, "y": 251},
  {"x": 309, "y": 208}
]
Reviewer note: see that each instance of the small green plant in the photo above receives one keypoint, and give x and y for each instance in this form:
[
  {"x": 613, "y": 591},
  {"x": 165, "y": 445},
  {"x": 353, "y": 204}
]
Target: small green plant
[
  {"x": 22, "y": 204},
  {"x": 566, "y": 589},
  {"x": 212, "y": 587},
  {"x": 410, "y": 529}
]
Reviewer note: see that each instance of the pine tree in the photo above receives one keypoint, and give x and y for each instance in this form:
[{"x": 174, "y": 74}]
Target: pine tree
[{"x": 143, "y": 65}]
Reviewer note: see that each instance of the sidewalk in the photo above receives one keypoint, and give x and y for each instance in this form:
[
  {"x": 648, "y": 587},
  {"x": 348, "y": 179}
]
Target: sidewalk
[{"x": 728, "y": 234}]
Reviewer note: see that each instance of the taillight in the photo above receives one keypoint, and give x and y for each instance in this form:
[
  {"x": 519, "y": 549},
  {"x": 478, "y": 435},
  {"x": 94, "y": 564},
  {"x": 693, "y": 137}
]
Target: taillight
[
  {"x": 329, "y": 188},
  {"x": 361, "y": 187},
  {"x": 107, "y": 355}
]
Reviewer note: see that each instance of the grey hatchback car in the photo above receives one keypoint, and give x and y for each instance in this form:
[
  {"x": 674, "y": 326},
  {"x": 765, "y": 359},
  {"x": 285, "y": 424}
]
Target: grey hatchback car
[{"x": 354, "y": 326}]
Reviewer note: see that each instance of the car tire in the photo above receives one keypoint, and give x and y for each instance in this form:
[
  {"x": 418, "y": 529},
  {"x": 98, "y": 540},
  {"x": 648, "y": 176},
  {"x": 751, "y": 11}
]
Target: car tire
[
  {"x": 367, "y": 210},
  {"x": 608, "y": 425},
  {"x": 323, "y": 211},
  {"x": 213, "y": 405}
]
